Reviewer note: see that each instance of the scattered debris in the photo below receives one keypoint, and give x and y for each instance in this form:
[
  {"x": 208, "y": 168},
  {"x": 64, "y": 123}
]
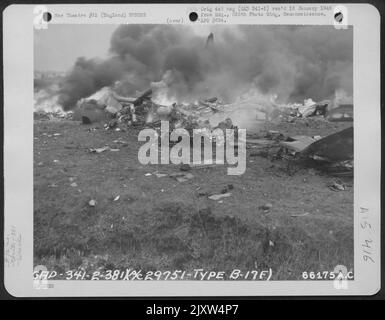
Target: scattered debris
[
  {"x": 209, "y": 192},
  {"x": 259, "y": 142},
  {"x": 322, "y": 108},
  {"x": 116, "y": 198},
  {"x": 58, "y": 114},
  {"x": 297, "y": 143},
  {"x": 300, "y": 215},
  {"x": 266, "y": 207},
  {"x": 73, "y": 184},
  {"x": 307, "y": 109},
  {"x": 337, "y": 185},
  {"x": 120, "y": 141},
  {"x": 274, "y": 135},
  {"x": 182, "y": 177},
  {"x": 100, "y": 150},
  {"x": 219, "y": 196},
  {"x": 340, "y": 169},
  {"x": 92, "y": 203},
  {"x": 161, "y": 175},
  {"x": 332, "y": 154}
]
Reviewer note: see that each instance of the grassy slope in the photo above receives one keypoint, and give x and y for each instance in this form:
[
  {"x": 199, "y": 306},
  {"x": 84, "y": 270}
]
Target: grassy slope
[{"x": 161, "y": 224}]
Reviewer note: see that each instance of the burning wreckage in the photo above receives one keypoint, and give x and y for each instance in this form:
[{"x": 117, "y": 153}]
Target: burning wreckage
[{"x": 332, "y": 153}]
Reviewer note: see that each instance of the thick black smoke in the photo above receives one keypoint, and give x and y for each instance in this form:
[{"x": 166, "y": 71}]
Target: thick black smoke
[{"x": 293, "y": 62}]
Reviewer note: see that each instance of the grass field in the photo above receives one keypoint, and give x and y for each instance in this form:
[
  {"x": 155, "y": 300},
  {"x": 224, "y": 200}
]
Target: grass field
[{"x": 159, "y": 223}]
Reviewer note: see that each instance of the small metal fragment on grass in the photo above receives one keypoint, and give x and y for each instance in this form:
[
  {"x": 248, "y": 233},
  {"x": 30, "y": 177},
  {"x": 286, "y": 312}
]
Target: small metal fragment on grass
[
  {"x": 185, "y": 177},
  {"x": 181, "y": 176},
  {"x": 92, "y": 203},
  {"x": 300, "y": 215},
  {"x": 122, "y": 142},
  {"x": 160, "y": 175},
  {"x": 73, "y": 184},
  {"x": 337, "y": 185},
  {"x": 266, "y": 206},
  {"x": 116, "y": 198},
  {"x": 99, "y": 150},
  {"x": 219, "y": 196}
]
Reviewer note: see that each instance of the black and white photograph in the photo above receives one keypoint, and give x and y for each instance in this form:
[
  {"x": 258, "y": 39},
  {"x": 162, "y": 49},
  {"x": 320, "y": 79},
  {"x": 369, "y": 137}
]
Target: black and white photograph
[{"x": 193, "y": 152}]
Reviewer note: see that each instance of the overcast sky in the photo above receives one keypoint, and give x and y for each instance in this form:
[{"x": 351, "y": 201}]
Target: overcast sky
[{"x": 58, "y": 47}]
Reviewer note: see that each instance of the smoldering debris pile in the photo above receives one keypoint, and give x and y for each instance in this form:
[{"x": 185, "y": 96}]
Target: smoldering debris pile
[
  {"x": 52, "y": 115},
  {"x": 324, "y": 110},
  {"x": 332, "y": 153},
  {"x": 120, "y": 113},
  {"x": 143, "y": 109}
]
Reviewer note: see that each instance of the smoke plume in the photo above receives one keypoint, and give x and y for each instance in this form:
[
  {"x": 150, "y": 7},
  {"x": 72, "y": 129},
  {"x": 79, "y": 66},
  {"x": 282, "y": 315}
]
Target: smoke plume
[{"x": 291, "y": 62}]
